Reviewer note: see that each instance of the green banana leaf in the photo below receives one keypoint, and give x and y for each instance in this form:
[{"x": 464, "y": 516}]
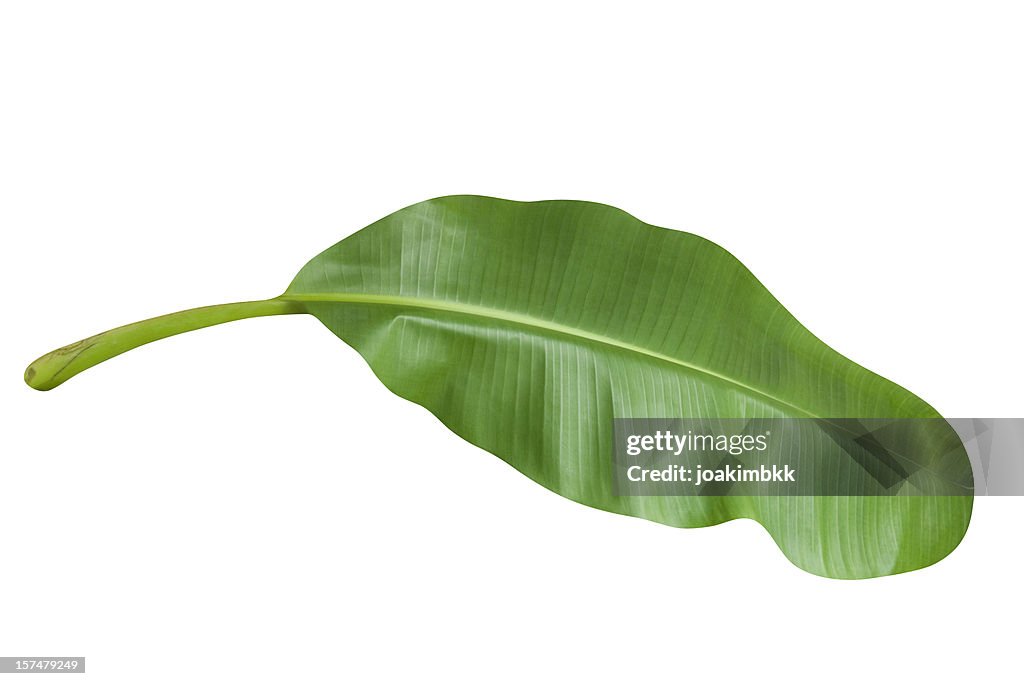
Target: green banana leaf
[{"x": 526, "y": 327}]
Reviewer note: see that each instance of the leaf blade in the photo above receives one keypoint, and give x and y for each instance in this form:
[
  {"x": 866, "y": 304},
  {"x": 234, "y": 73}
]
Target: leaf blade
[{"x": 520, "y": 265}]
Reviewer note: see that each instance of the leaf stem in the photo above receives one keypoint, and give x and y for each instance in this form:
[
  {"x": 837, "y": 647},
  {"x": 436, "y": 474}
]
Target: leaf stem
[{"x": 54, "y": 368}]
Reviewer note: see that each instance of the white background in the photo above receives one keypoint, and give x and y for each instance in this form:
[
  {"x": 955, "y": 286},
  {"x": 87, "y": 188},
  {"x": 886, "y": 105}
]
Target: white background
[{"x": 248, "y": 503}]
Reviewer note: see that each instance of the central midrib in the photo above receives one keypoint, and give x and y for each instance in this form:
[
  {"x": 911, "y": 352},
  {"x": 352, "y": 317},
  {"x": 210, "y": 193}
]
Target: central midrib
[
  {"x": 534, "y": 322},
  {"x": 547, "y": 325}
]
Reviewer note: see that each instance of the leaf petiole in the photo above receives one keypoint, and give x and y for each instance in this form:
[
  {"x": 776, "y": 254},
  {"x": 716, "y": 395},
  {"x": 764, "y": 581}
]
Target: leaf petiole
[{"x": 56, "y": 367}]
